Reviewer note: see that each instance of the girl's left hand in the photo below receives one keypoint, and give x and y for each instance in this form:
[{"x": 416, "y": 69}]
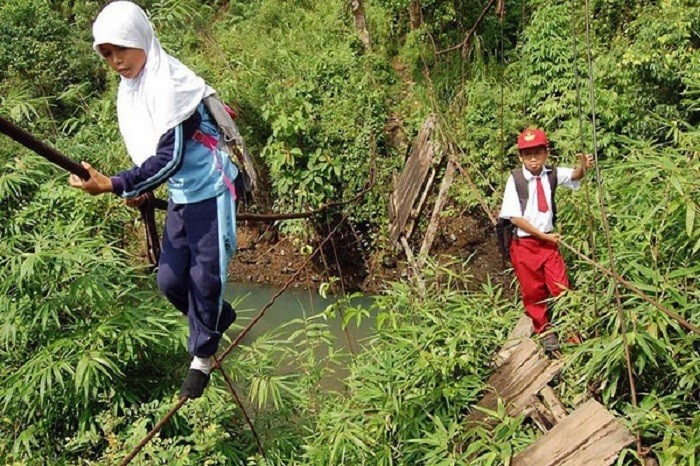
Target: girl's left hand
[
  {"x": 136, "y": 201},
  {"x": 97, "y": 184}
]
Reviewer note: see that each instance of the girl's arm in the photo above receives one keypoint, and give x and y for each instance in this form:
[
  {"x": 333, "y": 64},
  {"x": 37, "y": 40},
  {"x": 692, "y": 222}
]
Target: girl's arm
[
  {"x": 152, "y": 173},
  {"x": 156, "y": 169}
]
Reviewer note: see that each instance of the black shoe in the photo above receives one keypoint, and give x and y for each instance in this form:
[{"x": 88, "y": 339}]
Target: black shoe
[
  {"x": 194, "y": 384},
  {"x": 550, "y": 342}
]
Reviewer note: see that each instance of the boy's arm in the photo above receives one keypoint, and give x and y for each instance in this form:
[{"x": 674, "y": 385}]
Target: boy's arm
[
  {"x": 585, "y": 162},
  {"x": 530, "y": 229}
]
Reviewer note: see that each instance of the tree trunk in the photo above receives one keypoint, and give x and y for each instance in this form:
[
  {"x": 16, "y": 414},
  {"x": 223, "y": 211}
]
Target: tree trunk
[
  {"x": 358, "y": 10},
  {"x": 414, "y": 12}
]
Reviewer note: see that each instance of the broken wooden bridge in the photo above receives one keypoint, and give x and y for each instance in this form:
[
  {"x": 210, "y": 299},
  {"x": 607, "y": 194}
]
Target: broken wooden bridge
[{"x": 590, "y": 435}]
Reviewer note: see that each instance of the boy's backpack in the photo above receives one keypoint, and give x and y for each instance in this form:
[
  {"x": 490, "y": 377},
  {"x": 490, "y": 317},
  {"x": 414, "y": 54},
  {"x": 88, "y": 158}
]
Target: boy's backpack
[
  {"x": 504, "y": 227},
  {"x": 232, "y": 143}
]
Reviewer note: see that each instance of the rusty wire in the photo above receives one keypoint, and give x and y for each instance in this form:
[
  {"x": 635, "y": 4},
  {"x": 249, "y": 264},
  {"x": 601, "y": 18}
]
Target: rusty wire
[
  {"x": 606, "y": 224},
  {"x": 227, "y": 351}
]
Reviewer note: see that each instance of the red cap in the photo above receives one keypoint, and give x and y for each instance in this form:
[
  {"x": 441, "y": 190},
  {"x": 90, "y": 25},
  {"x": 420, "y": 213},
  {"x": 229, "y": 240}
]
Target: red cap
[{"x": 532, "y": 138}]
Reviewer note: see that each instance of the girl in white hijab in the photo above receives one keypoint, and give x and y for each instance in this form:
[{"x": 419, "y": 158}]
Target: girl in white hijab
[{"x": 171, "y": 138}]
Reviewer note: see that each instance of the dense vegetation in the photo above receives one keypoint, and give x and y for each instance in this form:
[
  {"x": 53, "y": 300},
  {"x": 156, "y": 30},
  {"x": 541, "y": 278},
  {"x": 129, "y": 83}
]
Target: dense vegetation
[{"x": 87, "y": 347}]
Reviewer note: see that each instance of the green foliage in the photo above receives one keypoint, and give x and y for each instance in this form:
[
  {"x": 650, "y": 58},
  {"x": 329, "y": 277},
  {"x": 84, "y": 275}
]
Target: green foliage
[
  {"x": 203, "y": 434},
  {"x": 316, "y": 105},
  {"x": 42, "y": 48},
  {"x": 409, "y": 388},
  {"x": 79, "y": 324},
  {"x": 88, "y": 349}
]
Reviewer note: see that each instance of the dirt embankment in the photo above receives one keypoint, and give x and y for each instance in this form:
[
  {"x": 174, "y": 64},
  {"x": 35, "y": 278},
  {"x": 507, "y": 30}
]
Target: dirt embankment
[{"x": 467, "y": 243}]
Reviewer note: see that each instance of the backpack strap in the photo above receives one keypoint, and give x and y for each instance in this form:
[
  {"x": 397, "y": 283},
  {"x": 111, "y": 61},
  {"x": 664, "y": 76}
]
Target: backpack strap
[
  {"x": 232, "y": 141},
  {"x": 211, "y": 143},
  {"x": 520, "y": 187},
  {"x": 552, "y": 175}
]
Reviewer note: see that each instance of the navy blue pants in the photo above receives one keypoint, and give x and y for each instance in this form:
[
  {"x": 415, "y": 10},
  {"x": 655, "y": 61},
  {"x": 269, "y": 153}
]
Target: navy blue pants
[{"x": 198, "y": 242}]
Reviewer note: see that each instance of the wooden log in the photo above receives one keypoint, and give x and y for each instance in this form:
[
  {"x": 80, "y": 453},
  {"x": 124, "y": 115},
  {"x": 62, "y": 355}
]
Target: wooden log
[
  {"x": 415, "y": 212},
  {"x": 589, "y": 436},
  {"x": 415, "y": 14},
  {"x": 523, "y": 329},
  {"x": 416, "y": 275},
  {"x": 546, "y": 410},
  {"x": 358, "y": 12},
  {"x": 541, "y": 415},
  {"x": 556, "y": 407},
  {"x": 437, "y": 210}
]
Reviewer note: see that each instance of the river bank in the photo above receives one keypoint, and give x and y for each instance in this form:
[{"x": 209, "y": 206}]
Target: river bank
[{"x": 465, "y": 244}]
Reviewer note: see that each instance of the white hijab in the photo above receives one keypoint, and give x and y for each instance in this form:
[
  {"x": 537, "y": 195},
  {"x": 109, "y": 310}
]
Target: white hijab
[{"x": 162, "y": 96}]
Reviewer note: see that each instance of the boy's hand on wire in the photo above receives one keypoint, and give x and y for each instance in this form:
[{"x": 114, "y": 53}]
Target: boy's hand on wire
[
  {"x": 586, "y": 160},
  {"x": 552, "y": 237},
  {"x": 97, "y": 184}
]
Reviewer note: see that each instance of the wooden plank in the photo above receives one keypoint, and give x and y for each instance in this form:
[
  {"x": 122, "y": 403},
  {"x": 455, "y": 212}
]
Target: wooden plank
[
  {"x": 523, "y": 329},
  {"x": 437, "y": 210},
  {"x": 416, "y": 275},
  {"x": 590, "y": 436},
  {"x": 415, "y": 212},
  {"x": 540, "y": 415},
  {"x": 517, "y": 381},
  {"x": 556, "y": 407},
  {"x": 408, "y": 186}
]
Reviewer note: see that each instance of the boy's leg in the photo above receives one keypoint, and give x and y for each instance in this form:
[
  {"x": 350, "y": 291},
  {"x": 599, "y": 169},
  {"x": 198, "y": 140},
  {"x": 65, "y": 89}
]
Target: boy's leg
[
  {"x": 527, "y": 262},
  {"x": 555, "y": 274},
  {"x": 174, "y": 264}
]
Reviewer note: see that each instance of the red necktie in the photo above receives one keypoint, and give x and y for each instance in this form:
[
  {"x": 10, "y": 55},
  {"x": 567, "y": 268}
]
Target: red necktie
[{"x": 541, "y": 198}]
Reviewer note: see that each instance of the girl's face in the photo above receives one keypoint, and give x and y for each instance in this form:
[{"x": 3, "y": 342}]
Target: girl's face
[
  {"x": 128, "y": 62},
  {"x": 534, "y": 158}
]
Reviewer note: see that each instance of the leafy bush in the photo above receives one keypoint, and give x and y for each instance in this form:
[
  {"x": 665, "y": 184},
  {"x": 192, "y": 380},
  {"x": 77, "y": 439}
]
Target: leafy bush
[
  {"x": 43, "y": 48},
  {"x": 87, "y": 347}
]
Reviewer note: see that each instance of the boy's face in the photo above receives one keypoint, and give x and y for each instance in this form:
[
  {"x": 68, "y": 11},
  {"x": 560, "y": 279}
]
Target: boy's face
[
  {"x": 534, "y": 158},
  {"x": 128, "y": 62}
]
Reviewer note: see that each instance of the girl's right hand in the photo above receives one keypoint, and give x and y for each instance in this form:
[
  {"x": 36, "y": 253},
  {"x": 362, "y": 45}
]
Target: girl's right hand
[{"x": 96, "y": 184}]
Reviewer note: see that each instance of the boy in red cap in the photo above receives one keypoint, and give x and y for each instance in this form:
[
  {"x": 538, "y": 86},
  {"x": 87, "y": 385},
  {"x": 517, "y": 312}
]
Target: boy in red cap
[{"x": 528, "y": 202}]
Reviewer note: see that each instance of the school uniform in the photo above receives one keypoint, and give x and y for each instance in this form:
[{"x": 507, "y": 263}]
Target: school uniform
[
  {"x": 171, "y": 138},
  {"x": 537, "y": 264},
  {"x": 199, "y": 238}
]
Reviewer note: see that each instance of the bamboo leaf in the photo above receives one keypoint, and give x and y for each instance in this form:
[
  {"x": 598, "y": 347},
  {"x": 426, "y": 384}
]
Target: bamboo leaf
[{"x": 689, "y": 218}]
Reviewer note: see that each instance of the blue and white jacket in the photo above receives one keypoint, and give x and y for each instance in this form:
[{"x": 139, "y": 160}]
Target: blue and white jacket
[{"x": 189, "y": 167}]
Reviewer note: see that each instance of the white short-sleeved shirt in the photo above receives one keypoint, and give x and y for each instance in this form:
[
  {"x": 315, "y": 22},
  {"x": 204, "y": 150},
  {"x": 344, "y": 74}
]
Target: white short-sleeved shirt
[{"x": 540, "y": 220}]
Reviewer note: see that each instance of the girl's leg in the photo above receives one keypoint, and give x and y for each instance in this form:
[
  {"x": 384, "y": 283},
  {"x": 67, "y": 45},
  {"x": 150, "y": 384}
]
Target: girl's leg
[
  {"x": 226, "y": 216},
  {"x": 174, "y": 264},
  {"x": 211, "y": 245},
  {"x": 212, "y": 241}
]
